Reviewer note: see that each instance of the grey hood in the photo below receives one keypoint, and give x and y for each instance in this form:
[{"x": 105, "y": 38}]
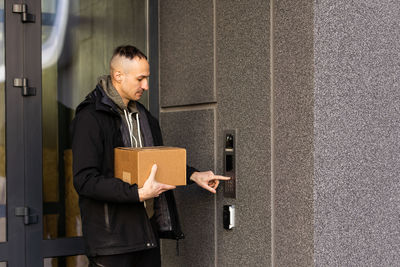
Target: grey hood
[
  {"x": 130, "y": 116},
  {"x": 112, "y": 93}
]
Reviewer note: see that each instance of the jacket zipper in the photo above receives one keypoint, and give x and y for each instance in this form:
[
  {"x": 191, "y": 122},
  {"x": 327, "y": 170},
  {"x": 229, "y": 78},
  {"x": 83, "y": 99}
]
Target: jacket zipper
[{"x": 106, "y": 216}]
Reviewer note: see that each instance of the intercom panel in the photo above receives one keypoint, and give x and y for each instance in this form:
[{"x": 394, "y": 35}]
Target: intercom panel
[{"x": 230, "y": 163}]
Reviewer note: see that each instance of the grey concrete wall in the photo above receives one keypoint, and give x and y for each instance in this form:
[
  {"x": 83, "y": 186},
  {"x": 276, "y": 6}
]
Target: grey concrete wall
[
  {"x": 187, "y": 81},
  {"x": 214, "y": 75},
  {"x": 330, "y": 129},
  {"x": 357, "y": 148},
  {"x": 194, "y": 130},
  {"x": 293, "y": 126},
  {"x": 243, "y": 90},
  {"x": 187, "y": 54}
]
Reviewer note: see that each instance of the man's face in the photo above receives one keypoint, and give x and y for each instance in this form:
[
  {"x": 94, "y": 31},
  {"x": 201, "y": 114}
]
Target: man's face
[{"x": 135, "y": 79}]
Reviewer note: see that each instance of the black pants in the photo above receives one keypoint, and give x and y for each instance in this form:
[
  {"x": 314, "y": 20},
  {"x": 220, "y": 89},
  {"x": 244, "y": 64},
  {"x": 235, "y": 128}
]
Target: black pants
[{"x": 143, "y": 258}]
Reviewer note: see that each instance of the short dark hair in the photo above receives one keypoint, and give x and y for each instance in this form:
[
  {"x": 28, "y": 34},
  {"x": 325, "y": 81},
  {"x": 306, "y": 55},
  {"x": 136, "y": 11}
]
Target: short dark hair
[{"x": 128, "y": 51}]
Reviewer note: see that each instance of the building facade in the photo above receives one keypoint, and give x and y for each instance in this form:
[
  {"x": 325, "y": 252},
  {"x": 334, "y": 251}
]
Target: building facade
[{"x": 308, "y": 90}]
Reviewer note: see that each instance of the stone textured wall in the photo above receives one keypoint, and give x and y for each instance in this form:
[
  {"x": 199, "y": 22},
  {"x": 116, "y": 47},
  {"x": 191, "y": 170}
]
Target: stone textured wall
[
  {"x": 186, "y": 52},
  {"x": 357, "y": 148},
  {"x": 312, "y": 90},
  {"x": 293, "y": 117},
  {"x": 213, "y": 77},
  {"x": 187, "y": 80},
  {"x": 243, "y": 90},
  {"x": 194, "y": 130}
]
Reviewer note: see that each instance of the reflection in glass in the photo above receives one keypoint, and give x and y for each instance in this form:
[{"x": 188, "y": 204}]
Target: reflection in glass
[
  {"x": 78, "y": 39},
  {"x": 72, "y": 261},
  {"x": 3, "y": 199}
]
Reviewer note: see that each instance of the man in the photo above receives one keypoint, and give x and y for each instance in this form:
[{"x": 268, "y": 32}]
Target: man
[{"x": 121, "y": 221}]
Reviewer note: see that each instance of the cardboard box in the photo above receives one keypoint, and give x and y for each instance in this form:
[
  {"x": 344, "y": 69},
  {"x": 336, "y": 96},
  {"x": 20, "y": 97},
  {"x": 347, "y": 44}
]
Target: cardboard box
[{"x": 133, "y": 165}]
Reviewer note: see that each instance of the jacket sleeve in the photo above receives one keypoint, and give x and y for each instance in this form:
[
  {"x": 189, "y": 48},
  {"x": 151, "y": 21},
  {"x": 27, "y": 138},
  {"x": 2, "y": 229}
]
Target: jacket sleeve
[
  {"x": 189, "y": 171},
  {"x": 88, "y": 149}
]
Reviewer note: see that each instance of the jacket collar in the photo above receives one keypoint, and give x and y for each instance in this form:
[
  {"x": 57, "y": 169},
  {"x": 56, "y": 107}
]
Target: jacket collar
[
  {"x": 100, "y": 100},
  {"x": 104, "y": 103}
]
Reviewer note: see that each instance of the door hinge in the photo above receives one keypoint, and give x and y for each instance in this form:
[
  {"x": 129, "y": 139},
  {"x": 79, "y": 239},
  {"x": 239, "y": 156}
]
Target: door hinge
[
  {"x": 23, "y": 10},
  {"x": 25, "y": 212},
  {"x": 23, "y": 83}
]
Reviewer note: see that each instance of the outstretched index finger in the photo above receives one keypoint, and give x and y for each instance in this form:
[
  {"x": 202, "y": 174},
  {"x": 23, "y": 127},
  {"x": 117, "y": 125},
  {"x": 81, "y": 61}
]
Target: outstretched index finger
[{"x": 220, "y": 177}]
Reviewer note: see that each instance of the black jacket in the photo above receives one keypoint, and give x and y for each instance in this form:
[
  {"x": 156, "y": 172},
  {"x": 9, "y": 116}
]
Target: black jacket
[{"x": 114, "y": 220}]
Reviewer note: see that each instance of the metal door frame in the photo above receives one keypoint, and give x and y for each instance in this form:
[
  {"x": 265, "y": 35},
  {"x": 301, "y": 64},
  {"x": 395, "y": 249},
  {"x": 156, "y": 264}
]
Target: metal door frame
[{"x": 15, "y": 133}]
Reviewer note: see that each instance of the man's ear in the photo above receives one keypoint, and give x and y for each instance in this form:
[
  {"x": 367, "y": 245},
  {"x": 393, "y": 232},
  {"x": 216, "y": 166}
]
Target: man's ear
[{"x": 118, "y": 76}]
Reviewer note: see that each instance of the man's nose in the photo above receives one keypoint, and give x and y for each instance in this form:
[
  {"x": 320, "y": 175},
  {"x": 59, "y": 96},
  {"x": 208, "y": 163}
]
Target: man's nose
[{"x": 145, "y": 84}]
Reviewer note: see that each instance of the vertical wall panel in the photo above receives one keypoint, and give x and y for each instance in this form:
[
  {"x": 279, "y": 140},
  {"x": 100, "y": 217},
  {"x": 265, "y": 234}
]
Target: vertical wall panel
[
  {"x": 187, "y": 79},
  {"x": 243, "y": 86},
  {"x": 186, "y": 52},
  {"x": 357, "y": 148},
  {"x": 293, "y": 132},
  {"x": 193, "y": 130}
]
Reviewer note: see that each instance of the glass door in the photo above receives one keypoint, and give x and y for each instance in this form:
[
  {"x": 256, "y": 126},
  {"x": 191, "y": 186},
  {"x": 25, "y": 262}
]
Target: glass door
[
  {"x": 78, "y": 39},
  {"x": 50, "y": 59}
]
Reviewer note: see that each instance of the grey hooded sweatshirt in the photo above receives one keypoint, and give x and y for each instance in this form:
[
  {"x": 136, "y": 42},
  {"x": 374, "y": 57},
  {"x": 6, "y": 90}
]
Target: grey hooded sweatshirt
[{"x": 130, "y": 128}]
